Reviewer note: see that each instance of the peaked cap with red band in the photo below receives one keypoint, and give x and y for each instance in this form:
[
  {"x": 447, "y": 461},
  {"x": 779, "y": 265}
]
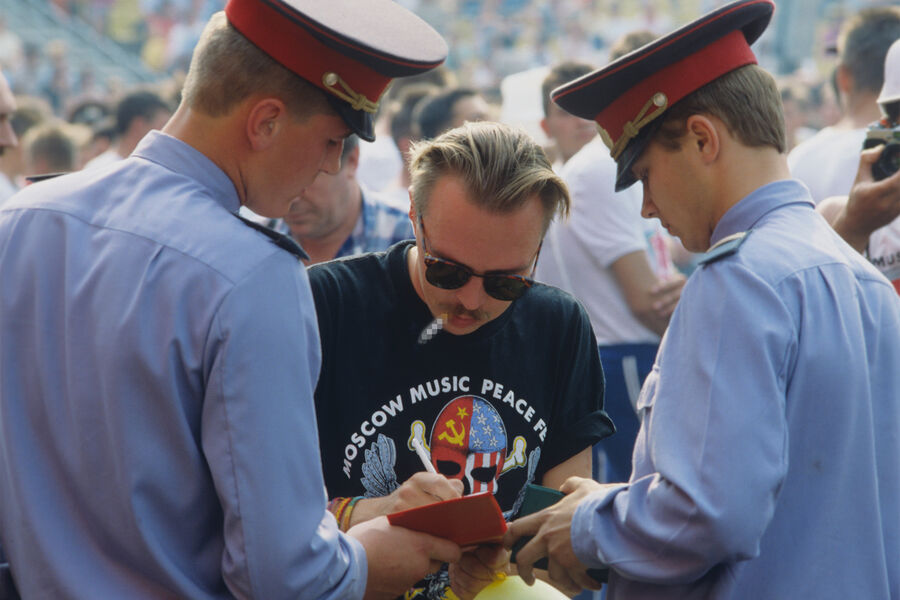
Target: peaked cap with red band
[
  {"x": 350, "y": 49},
  {"x": 627, "y": 96}
]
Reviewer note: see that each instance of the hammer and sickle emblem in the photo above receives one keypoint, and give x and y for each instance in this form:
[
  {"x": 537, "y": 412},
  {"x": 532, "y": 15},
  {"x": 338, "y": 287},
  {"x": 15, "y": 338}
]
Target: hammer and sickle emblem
[{"x": 457, "y": 438}]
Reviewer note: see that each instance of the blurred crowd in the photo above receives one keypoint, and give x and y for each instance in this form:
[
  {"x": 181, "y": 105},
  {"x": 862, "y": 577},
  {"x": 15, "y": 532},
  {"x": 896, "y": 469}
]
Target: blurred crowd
[{"x": 516, "y": 35}]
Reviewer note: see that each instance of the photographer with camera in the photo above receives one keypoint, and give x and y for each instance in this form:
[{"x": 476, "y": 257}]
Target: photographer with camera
[
  {"x": 826, "y": 162},
  {"x": 869, "y": 218}
]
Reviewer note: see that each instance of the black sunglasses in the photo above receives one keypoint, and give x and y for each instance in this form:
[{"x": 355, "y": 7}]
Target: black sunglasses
[{"x": 450, "y": 275}]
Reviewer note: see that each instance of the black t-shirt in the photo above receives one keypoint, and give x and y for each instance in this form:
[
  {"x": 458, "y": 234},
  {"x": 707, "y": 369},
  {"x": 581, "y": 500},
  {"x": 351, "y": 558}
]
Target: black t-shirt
[{"x": 496, "y": 408}]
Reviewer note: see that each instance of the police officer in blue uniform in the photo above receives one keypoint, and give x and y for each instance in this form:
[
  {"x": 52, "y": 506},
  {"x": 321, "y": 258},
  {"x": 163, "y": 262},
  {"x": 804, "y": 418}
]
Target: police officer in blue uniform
[
  {"x": 766, "y": 465},
  {"x": 158, "y": 356}
]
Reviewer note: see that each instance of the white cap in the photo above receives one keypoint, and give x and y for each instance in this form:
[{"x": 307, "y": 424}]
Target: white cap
[{"x": 890, "y": 91}]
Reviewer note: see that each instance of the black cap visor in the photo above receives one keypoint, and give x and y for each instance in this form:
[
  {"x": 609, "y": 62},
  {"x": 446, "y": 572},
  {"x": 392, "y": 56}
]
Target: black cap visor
[
  {"x": 359, "y": 121},
  {"x": 625, "y": 177}
]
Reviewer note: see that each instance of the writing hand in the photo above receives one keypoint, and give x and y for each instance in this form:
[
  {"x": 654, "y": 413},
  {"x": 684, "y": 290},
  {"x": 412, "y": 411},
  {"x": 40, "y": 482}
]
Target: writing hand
[{"x": 420, "y": 489}]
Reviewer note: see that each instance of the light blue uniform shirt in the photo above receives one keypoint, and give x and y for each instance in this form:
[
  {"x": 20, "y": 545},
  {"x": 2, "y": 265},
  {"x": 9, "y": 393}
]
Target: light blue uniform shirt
[
  {"x": 768, "y": 461},
  {"x": 157, "y": 365}
]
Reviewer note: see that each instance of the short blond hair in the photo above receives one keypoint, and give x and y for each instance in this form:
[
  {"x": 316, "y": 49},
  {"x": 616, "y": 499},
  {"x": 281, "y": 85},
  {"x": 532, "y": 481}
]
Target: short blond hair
[
  {"x": 502, "y": 167},
  {"x": 226, "y": 68}
]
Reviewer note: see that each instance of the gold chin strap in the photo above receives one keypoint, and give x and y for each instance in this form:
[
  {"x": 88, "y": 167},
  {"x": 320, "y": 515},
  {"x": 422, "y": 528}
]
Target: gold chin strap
[
  {"x": 347, "y": 94},
  {"x": 633, "y": 127}
]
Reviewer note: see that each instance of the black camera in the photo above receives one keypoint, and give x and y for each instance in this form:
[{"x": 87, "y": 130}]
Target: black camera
[{"x": 887, "y": 132}]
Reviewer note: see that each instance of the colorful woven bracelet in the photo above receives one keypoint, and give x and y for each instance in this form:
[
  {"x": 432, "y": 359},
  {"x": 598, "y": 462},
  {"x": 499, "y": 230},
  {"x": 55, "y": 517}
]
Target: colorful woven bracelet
[
  {"x": 342, "y": 508},
  {"x": 344, "y": 522},
  {"x": 336, "y": 507}
]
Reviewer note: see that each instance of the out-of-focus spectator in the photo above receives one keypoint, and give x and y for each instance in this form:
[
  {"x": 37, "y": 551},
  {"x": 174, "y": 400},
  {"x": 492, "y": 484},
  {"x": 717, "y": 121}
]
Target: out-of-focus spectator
[
  {"x": 521, "y": 105},
  {"x": 24, "y": 77},
  {"x": 55, "y": 78},
  {"x": 51, "y": 147},
  {"x": 103, "y": 136},
  {"x": 88, "y": 112},
  {"x": 441, "y": 78},
  {"x": 336, "y": 217},
  {"x": 825, "y": 108},
  {"x": 8, "y": 137},
  {"x": 85, "y": 86},
  {"x": 97, "y": 117},
  {"x": 568, "y": 133},
  {"x": 159, "y": 24},
  {"x": 448, "y": 109},
  {"x": 489, "y": 39},
  {"x": 869, "y": 218},
  {"x": 404, "y": 129},
  {"x": 126, "y": 25},
  {"x": 827, "y": 162},
  {"x": 795, "y": 100},
  {"x": 810, "y": 105},
  {"x": 380, "y": 162},
  {"x": 138, "y": 113},
  {"x": 29, "y": 111},
  {"x": 184, "y": 34},
  {"x": 403, "y": 132},
  {"x": 10, "y": 46}
]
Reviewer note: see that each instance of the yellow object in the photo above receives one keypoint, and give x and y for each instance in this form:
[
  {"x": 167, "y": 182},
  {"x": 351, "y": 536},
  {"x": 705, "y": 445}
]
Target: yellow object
[{"x": 511, "y": 587}]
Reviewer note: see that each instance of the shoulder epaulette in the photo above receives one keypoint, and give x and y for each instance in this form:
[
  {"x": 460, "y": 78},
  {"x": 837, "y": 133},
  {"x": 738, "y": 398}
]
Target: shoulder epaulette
[
  {"x": 725, "y": 247},
  {"x": 282, "y": 241}
]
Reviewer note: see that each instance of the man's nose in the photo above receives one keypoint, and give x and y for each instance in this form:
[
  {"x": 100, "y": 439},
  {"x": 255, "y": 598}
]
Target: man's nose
[
  {"x": 472, "y": 295},
  {"x": 7, "y": 135},
  {"x": 648, "y": 209}
]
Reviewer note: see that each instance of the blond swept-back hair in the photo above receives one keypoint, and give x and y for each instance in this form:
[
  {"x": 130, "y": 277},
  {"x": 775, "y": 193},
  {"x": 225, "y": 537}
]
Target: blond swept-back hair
[
  {"x": 502, "y": 168},
  {"x": 226, "y": 68},
  {"x": 748, "y": 102}
]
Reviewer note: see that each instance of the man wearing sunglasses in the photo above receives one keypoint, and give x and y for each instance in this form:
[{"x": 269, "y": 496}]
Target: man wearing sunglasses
[{"x": 447, "y": 343}]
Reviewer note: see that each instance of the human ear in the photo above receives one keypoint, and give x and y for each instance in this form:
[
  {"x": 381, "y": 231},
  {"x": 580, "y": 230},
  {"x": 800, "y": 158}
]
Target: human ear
[
  {"x": 264, "y": 120},
  {"x": 704, "y": 137},
  {"x": 843, "y": 79}
]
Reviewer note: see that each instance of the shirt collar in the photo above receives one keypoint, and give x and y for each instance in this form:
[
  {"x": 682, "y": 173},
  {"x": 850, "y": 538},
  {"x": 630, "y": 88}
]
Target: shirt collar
[
  {"x": 749, "y": 210},
  {"x": 182, "y": 158}
]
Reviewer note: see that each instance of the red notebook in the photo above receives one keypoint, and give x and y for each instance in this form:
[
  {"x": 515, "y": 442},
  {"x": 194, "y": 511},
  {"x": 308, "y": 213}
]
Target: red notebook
[{"x": 468, "y": 521}]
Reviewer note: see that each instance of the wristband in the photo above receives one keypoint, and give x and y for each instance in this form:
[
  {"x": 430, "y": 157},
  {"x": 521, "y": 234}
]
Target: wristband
[{"x": 344, "y": 521}]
